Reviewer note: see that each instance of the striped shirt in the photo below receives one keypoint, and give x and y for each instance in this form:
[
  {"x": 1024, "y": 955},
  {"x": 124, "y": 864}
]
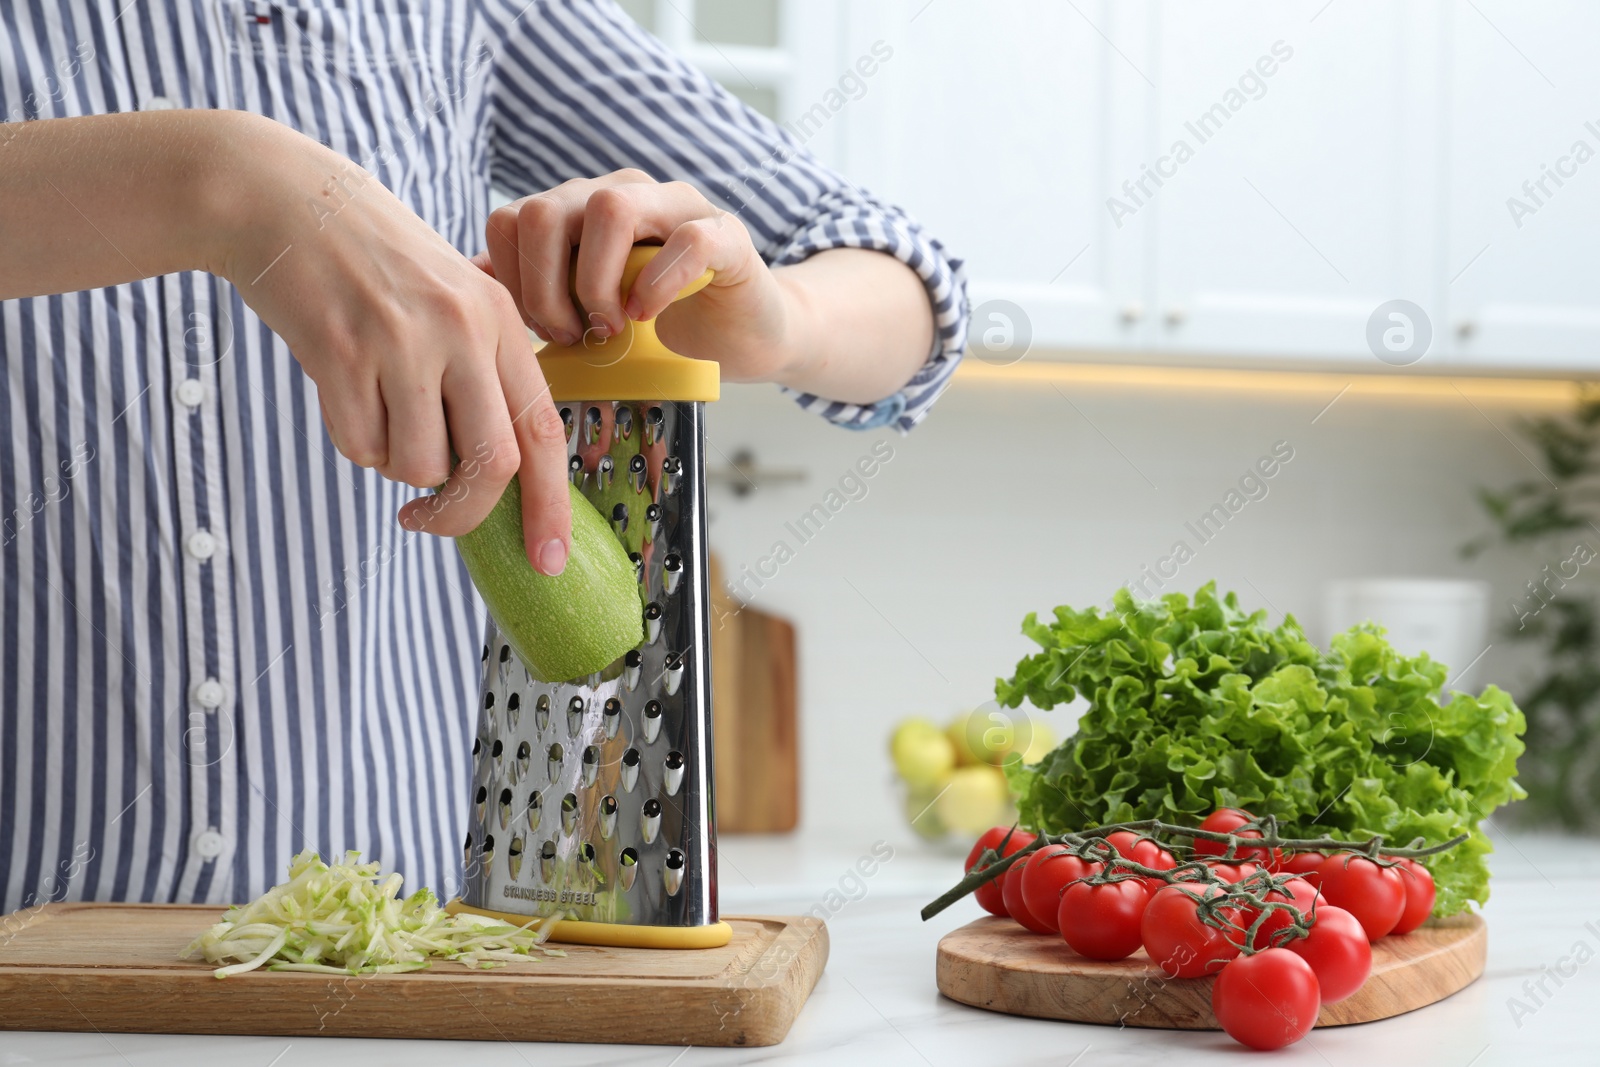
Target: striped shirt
[{"x": 218, "y": 645}]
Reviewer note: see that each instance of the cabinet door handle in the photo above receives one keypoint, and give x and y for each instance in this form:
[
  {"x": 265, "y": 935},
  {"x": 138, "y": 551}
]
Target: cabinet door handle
[
  {"x": 1175, "y": 317},
  {"x": 1466, "y": 329},
  {"x": 1131, "y": 313}
]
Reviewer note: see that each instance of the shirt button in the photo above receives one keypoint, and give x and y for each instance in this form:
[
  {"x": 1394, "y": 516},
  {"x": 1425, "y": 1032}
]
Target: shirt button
[
  {"x": 191, "y": 393},
  {"x": 208, "y": 844},
  {"x": 202, "y": 544},
  {"x": 209, "y": 694},
  {"x": 159, "y": 103}
]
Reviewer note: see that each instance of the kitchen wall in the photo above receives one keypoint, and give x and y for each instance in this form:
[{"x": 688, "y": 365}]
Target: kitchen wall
[{"x": 1019, "y": 493}]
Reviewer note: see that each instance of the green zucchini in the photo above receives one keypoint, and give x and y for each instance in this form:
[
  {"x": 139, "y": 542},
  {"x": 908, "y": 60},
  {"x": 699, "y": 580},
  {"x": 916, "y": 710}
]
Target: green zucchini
[{"x": 574, "y": 624}]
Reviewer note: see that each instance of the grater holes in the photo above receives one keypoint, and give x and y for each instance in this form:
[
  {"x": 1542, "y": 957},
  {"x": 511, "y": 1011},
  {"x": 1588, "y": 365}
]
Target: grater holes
[
  {"x": 603, "y": 471},
  {"x": 566, "y": 422},
  {"x": 674, "y": 772},
  {"x": 652, "y": 721},
  {"x": 592, "y": 421},
  {"x": 608, "y": 817},
  {"x": 652, "y": 622},
  {"x": 632, "y": 663},
  {"x": 541, "y": 713},
  {"x": 480, "y": 802},
  {"x": 650, "y": 820},
  {"x": 488, "y": 701},
  {"x": 514, "y": 857},
  {"x": 524, "y": 759},
  {"x": 638, "y": 473},
  {"x": 671, "y": 474},
  {"x": 486, "y": 854},
  {"x": 535, "y": 809},
  {"x": 575, "y": 470},
  {"x": 627, "y": 867},
  {"x": 613, "y": 717},
  {"x": 630, "y": 769},
  {"x": 619, "y": 518},
  {"x": 485, "y": 657},
  {"x": 569, "y": 813},
  {"x": 554, "y": 756},
  {"x": 672, "y": 872},
  {"x": 624, "y": 421},
  {"x": 652, "y": 521},
  {"x": 671, "y": 572},
  {"x": 654, "y": 423},
  {"x": 547, "y": 861},
  {"x": 574, "y": 716},
  {"x": 672, "y": 672},
  {"x": 505, "y": 653},
  {"x": 638, "y": 566},
  {"x": 505, "y": 808},
  {"x": 591, "y": 765}
]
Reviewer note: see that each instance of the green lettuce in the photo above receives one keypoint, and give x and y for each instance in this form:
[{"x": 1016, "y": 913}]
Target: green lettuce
[{"x": 1198, "y": 705}]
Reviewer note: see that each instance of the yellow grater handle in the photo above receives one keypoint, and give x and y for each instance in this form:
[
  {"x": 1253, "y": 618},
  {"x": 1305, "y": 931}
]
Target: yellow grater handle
[{"x": 633, "y": 365}]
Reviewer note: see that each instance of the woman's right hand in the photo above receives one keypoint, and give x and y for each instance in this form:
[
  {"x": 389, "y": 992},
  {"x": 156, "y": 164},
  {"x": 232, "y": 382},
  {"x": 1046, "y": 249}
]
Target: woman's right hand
[{"x": 415, "y": 351}]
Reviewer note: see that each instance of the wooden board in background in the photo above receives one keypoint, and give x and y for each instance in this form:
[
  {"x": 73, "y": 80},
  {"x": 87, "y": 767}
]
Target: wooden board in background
[
  {"x": 994, "y": 963},
  {"x": 115, "y": 968},
  {"x": 755, "y": 738}
]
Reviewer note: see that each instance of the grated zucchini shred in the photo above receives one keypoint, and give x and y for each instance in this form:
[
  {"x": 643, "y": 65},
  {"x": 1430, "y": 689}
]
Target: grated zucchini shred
[{"x": 347, "y": 918}]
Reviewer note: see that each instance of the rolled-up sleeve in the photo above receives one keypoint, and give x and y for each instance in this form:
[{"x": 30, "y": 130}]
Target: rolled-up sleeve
[{"x": 580, "y": 90}]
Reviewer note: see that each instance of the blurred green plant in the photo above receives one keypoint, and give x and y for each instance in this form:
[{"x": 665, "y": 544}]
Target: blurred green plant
[{"x": 1555, "y": 518}]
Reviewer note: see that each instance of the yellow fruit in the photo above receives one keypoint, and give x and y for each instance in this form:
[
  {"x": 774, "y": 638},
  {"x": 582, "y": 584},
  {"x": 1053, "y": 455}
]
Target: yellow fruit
[
  {"x": 975, "y": 799},
  {"x": 1039, "y": 745},
  {"x": 923, "y": 814},
  {"x": 923, "y": 755},
  {"x": 982, "y": 736}
]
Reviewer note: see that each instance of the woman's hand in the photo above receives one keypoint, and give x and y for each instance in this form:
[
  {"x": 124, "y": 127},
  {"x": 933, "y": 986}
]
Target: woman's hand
[
  {"x": 742, "y": 320},
  {"x": 848, "y": 324},
  {"x": 414, "y": 351}
]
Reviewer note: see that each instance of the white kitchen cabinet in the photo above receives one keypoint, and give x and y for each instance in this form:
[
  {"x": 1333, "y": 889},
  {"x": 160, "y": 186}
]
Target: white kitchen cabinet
[
  {"x": 1334, "y": 157},
  {"x": 1523, "y": 186},
  {"x": 1304, "y": 167},
  {"x": 1001, "y": 126}
]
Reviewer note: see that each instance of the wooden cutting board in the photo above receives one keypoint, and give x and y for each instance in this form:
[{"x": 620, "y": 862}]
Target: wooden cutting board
[
  {"x": 115, "y": 968},
  {"x": 754, "y": 711},
  {"x": 996, "y": 964}
]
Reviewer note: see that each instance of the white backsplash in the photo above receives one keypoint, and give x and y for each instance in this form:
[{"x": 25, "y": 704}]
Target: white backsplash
[{"x": 1013, "y": 498}]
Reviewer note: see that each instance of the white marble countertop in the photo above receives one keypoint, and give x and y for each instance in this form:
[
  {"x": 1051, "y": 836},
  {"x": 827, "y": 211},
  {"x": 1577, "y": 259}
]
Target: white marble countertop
[{"x": 876, "y": 1002}]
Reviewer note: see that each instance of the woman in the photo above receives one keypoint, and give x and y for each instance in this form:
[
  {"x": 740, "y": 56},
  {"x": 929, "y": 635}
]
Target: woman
[{"x": 218, "y": 646}]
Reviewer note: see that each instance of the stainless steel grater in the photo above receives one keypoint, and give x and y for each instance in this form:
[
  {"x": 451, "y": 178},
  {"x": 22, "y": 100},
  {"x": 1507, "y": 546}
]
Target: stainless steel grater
[{"x": 592, "y": 799}]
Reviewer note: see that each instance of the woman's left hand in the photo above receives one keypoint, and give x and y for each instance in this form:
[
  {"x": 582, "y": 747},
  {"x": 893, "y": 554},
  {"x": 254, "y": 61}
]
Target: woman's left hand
[{"x": 746, "y": 319}]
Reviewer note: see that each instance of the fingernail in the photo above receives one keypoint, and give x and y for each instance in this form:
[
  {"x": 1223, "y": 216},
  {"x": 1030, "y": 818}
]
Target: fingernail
[
  {"x": 553, "y": 558},
  {"x": 634, "y": 308},
  {"x": 409, "y": 521},
  {"x": 563, "y": 337}
]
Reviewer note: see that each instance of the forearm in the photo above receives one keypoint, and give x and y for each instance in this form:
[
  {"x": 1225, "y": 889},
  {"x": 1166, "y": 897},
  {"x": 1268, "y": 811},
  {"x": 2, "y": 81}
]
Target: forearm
[
  {"x": 859, "y": 324},
  {"x": 96, "y": 201}
]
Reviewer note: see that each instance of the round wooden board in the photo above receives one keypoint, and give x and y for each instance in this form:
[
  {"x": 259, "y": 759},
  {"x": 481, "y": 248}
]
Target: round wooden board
[{"x": 996, "y": 964}]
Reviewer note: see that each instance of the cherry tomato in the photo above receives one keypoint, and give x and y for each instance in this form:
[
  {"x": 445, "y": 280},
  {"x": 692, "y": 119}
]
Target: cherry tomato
[
  {"x": 989, "y": 894},
  {"x": 1175, "y": 937},
  {"x": 1419, "y": 896},
  {"x": 1299, "y": 892},
  {"x": 1375, "y": 895},
  {"x": 1044, "y": 876},
  {"x": 1143, "y": 851},
  {"x": 1338, "y": 951},
  {"x": 1102, "y": 921},
  {"x": 1267, "y": 1000},
  {"x": 1307, "y": 865},
  {"x": 1226, "y": 821},
  {"x": 1016, "y": 904},
  {"x": 1232, "y": 872}
]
